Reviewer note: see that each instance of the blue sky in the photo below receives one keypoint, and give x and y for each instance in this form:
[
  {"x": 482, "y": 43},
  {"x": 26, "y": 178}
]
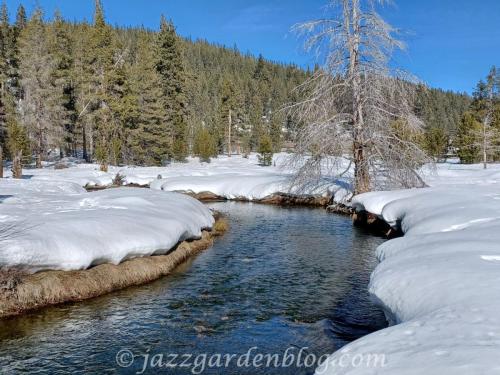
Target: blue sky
[{"x": 451, "y": 43}]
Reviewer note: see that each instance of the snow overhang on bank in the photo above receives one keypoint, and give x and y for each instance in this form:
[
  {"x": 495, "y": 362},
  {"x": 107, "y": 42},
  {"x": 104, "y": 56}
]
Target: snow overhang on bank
[
  {"x": 440, "y": 283},
  {"x": 59, "y": 226}
]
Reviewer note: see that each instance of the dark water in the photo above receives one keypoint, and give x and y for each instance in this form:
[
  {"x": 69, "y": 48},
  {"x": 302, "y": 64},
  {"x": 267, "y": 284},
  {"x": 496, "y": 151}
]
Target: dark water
[{"x": 281, "y": 279}]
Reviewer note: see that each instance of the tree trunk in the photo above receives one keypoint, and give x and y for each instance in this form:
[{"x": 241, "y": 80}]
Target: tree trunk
[
  {"x": 104, "y": 167},
  {"x": 485, "y": 155},
  {"x": 84, "y": 144},
  {"x": 1, "y": 162},
  {"x": 361, "y": 168},
  {"x": 361, "y": 171},
  {"x": 40, "y": 147},
  {"x": 17, "y": 168},
  {"x": 39, "y": 160},
  {"x": 229, "y": 134},
  {"x": 90, "y": 148}
]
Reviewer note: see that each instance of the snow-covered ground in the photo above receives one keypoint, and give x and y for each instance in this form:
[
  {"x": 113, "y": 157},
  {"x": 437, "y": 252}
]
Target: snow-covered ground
[
  {"x": 440, "y": 283},
  {"x": 53, "y": 224},
  {"x": 234, "y": 177}
]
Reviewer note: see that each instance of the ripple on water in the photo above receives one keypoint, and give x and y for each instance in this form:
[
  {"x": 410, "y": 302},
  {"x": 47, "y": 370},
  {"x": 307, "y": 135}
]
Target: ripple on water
[{"x": 280, "y": 277}]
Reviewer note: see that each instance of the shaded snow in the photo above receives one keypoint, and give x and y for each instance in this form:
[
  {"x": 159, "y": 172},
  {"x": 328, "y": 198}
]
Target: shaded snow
[{"x": 440, "y": 283}]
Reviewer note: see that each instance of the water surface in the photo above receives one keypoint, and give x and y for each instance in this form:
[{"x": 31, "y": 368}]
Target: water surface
[{"x": 281, "y": 278}]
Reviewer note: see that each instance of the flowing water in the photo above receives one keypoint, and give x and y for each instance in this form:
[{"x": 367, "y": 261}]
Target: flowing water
[{"x": 288, "y": 282}]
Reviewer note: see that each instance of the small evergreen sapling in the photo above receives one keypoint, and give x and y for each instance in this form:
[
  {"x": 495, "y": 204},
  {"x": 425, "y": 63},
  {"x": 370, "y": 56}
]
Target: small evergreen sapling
[
  {"x": 265, "y": 151},
  {"x": 204, "y": 146},
  {"x": 18, "y": 146},
  {"x": 436, "y": 142}
]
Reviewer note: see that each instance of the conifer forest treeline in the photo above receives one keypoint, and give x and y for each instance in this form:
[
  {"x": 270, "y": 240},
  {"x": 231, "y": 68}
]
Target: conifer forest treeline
[{"x": 135, "y": 96}]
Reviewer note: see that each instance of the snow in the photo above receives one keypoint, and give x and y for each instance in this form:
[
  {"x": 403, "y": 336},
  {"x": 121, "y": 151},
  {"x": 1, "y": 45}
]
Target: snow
[
  {"x": 228, "y": 185},
  {"x": 229, "y": 177},
  {"x": 59, "y": 226},
  {"x": 234, "y": 177},
  {"x": 439, "y": 284},
  {"x": 87, "y": 175}
]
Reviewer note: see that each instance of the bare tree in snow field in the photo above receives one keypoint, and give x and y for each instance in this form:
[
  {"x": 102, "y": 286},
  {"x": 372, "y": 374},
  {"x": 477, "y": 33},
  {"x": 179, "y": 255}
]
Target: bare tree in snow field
[{"x": 356, "y": 105}]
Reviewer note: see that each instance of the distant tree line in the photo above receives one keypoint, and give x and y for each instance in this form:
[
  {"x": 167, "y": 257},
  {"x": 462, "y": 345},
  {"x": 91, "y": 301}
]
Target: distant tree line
[
  {"x": 441, "y": 112},
  {"x": 131, "y": 95},
  {"x": 135, "y": 96},
  {"x": 478, "y": 137}
]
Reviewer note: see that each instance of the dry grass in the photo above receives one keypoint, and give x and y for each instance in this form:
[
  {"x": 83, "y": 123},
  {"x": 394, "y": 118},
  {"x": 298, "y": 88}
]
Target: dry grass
[
  {"x": 55, "y": 287},
  {"x": 9, "y": 280},
  {"x": 220, "y": 227}
]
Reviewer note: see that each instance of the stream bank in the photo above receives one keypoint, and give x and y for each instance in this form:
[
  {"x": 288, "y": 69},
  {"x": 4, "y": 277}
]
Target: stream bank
[
  {"x": 25, "y": 292},
  {"x": 281, "y": 278}
]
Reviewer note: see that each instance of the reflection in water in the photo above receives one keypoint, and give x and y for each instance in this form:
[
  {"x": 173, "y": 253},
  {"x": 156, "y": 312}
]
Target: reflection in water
[{"x": 280, "y": 278}]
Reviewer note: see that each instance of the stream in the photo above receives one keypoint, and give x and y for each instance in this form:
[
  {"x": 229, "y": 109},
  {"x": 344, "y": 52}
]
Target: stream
[{"x": 281, "y": 281}]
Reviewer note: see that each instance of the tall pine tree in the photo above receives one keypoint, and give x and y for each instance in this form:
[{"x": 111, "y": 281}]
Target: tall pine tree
[
  {"x": 170, "y": 67},
  {"x": 62, "y": 87},
  {"x": 40, "y": 104},
  {"x": 100, "y": 78},
  {"x": 149, "y": 137}
]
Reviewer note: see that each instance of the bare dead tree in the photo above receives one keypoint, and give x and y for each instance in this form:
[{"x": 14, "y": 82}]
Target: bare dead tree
[
  {"x": 487, "y": 138},
  {"x": 489, "y": 134},
  {"x": 352, "y": 102}
]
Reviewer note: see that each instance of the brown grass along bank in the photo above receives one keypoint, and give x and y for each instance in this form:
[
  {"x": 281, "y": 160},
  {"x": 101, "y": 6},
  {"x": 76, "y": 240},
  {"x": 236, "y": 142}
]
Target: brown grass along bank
[
  {"x": 277, "y": 199},
  {"x": 20, "y": 292}
]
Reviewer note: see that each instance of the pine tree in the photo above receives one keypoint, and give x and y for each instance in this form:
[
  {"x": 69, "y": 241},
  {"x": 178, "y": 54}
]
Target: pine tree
[
  {"x": 9, "y": 51},
  {"x": 14, "y": 74},
  {"x": 256, "y": 111},
  {"x": 261, "y": 73},
  {"x": 263, "y": 108},
  {"x": 435, "y": 142},
  {"x": 265, "y": 150},
  {"x": 85, "y": 89},
  {"x": 229, "y": 113},
  {"x": 62, "y": 88},
  {"x": 4, "y": 45},
  {"x": 276, "y": 130},
  {"x": 122, "y": 104},
  {"x": 4, "y": 91},
  {"x": 38, "y": 107},
  {"x": 204, "y": 145},
  {"x": 149, "y": 137},
  {"x": 100, "y": 79},
  {"x": 21, "y": 19},
  {"x": 170, "y": 67},
  {"x": 17, "y": 145},
  {"x": 467, "y": 139},
  {"x": 7, "y": 114}
]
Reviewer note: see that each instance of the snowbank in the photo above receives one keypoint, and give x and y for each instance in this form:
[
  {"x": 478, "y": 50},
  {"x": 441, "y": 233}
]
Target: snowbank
[
  {"x": 244, "y": 178},
  {"x": 440, "y": 283},
  {"x": 229, "y": 177},
  {"x": 56, "y": 225},
  {"x": 228, "y": 185}
]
